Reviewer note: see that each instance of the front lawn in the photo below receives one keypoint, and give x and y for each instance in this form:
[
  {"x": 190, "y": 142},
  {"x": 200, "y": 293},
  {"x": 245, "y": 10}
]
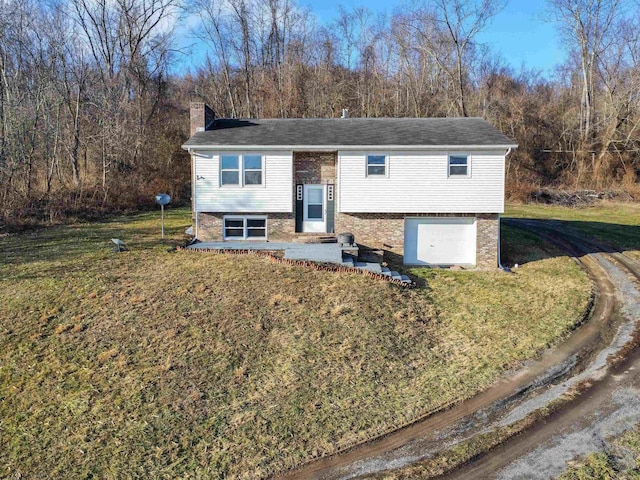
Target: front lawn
[{"x": 163, "y": 364}]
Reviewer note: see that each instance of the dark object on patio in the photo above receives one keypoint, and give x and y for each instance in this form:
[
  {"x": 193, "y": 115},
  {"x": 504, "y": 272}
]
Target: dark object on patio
[
  {"x": 375, "y": 255},
  {"x": 120, "y": 245},
  {"x": 346, "y": 239}
]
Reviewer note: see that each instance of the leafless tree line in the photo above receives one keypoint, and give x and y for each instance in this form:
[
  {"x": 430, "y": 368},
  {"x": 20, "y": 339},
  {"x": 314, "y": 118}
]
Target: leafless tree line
[
  {"x": 90, "y": 117},
  {"x": 84, "y": 103}
]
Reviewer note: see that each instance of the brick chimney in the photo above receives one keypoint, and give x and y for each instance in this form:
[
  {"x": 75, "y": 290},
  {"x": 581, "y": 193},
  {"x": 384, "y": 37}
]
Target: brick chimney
[{"x": 201, "y": 117}]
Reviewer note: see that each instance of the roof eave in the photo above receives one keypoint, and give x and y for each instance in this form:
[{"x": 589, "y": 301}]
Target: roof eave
[{"x": 348, "y": 147}]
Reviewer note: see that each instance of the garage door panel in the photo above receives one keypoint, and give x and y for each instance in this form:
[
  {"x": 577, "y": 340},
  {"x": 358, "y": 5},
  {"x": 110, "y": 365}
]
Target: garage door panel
[{"x": 440, "y": 241}]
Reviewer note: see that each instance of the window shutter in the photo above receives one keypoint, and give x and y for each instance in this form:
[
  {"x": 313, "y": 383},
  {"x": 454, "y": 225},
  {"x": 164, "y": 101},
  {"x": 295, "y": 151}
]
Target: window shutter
[
  {"x": 331, "y": 208},
  {"x": 299, "y": 207}
]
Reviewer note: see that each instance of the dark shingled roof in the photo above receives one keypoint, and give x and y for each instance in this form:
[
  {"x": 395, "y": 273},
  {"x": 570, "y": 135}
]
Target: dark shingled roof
[{"x": 318, "y": 132}]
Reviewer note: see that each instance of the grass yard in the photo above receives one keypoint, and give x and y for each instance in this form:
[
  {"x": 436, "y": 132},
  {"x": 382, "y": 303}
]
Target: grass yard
[
  {"x": 159, "y": 364},
  {"x": 621, "y": 461},
  {"x": 612, "y": 223}
]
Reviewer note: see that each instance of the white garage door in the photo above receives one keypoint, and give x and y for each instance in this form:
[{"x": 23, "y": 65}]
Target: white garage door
[{"x": 440, "y": 241}]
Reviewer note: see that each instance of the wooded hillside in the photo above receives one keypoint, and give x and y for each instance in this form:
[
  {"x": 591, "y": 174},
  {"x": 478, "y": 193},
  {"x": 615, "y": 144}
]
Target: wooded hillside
[{"x": 94, "y": 106}]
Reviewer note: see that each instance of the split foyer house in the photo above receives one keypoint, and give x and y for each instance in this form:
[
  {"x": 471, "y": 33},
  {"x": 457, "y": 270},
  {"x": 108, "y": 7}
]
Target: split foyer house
[{"x": 431, "y": 189}]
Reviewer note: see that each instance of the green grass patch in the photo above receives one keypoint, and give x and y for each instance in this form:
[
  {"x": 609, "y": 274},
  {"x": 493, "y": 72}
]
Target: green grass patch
[
  {"x": 614, "y": 224},
  {"x": 620, "y": 461},
  {"x": 163, "y": 364}
]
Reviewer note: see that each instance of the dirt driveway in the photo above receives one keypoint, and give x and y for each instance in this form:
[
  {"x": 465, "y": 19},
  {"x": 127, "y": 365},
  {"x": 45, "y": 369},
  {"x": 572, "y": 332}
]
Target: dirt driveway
[
  {"x": 608, "y": 408},
  {"x": 597, "y": 360}
]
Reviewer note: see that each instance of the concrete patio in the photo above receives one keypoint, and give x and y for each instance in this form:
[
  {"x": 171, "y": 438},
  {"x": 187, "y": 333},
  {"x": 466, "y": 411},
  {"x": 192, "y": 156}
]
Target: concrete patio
[{"x": 314, "y": 252}]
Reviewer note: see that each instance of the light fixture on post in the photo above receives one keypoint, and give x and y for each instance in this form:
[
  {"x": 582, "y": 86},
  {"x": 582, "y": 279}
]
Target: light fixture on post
[{"x": 162, "y": 199}]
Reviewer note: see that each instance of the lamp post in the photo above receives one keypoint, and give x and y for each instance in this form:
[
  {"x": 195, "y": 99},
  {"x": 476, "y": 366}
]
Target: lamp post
[{"x": 162, "y": 199}]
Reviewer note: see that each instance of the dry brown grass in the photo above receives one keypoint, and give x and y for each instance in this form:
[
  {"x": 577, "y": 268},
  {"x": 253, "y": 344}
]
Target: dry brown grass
[
  {"x": 160, "y": 364},
  {"x": 620, "y": 460}
]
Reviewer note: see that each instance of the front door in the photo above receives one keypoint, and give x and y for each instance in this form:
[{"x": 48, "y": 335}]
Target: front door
[{"x": 315, "y": 215}]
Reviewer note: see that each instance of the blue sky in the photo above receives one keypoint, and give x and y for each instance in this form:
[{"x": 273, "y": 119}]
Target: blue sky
[
  {"x": 519, "y": 33},
  {"x": 522, "y": 37}
]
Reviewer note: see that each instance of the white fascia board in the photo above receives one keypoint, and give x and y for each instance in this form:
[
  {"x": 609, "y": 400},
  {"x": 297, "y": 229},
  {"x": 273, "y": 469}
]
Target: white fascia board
[{"x": 321, "y": 148}]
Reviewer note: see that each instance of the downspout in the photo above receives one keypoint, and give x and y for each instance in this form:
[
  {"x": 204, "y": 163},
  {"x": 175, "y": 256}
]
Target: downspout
[
  {"x": 193, "y": 192},
  {"x": 196, "y": 231},
  {"x": 499, "y": 240},
  {"x": 499, "y": 227}
]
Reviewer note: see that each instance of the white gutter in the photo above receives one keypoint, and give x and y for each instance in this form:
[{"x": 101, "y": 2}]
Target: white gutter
[{"x": 346, "y": 147}]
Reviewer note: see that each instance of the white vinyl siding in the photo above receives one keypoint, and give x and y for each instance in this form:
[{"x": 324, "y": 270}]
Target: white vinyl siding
[
  {"x": 275, "y": 194},
  {"x": 419, "y": 182}
]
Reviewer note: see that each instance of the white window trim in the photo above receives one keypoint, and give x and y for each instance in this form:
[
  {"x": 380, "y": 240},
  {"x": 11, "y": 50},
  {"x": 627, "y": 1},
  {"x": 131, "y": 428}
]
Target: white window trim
[
  {"x": 366, "y": 165},
  {"x": 251, "y": 185},
  {"x": 241, "y": 170},
  {"x": 449, "y": 175},
  {"x": 244, "y": 218}
]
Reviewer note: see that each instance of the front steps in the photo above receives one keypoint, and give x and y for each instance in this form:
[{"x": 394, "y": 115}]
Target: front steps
[
  {"x": 349, "y": 261},
  {"x": 314, "y": 238}
]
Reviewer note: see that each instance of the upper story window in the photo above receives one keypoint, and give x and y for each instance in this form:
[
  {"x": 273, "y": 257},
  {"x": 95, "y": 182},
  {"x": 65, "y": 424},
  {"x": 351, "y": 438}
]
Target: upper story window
[
  {"x": 376, "y": 165},
  {"x": 458, "y": 165},
  {"x": 229, "y": 170},
  {"x": 250, "y": 165},
  {"x": 252, "y": 169}
]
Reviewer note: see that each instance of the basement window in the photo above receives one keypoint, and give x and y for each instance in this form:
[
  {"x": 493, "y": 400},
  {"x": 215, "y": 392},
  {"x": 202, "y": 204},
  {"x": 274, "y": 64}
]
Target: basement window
[
  {"x": 376, "y": 165},
  {"x": 458, "y": 165},
  {"x": 245, "y": 228}
]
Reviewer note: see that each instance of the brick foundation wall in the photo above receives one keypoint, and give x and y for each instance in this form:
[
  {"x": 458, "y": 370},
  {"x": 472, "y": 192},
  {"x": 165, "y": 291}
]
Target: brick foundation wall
[
  {"x": 488, "y": 226},
  {"x": 375, "y": 230},
  {"x": 210, "y": 227},
  {"x": 280, "y": 226},
  {"x": 386, "y": 231}
]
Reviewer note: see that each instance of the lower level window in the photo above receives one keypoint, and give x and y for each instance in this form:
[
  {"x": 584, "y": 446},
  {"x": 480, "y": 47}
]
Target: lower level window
[{"x": 243, "y": 228}]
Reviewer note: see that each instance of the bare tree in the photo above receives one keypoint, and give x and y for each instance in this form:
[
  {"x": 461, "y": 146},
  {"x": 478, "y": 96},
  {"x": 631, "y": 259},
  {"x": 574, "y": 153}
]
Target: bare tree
[
  {"x": 448, "y": 29},
  {"x": 586, "y": 27},
  {"x": 129, "y": 42}
]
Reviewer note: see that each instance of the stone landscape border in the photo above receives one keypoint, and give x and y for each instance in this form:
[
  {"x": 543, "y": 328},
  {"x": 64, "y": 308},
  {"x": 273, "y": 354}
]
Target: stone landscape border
[{"x": 322, "y": 267}]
